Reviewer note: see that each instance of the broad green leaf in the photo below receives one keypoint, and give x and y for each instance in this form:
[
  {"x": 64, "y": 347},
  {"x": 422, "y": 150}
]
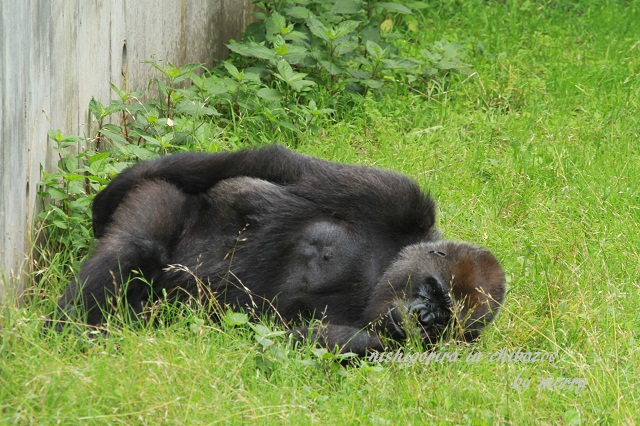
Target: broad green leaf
[
  {"x": 151, "y": 140},
  {"x": 265, "y": 342},
  {"x": 285, "y": 71},
  {"x": 98, "y": 157},
  {"x": 355, "y": 88},
  {"x": 215, "y": 88},
  {"x": 115, "y": 106},
  {"x": 55, "y": 135},
  {"x": 112, "y": 128},
  {"x": 286, "y": 30},
  {"x": 296, "y": 37},
  {"x": 139, "y": 152},
  {"x": 158, "y": 67},
  {"x": 114, "y": 137},
  {"x": 189, "y": 68},
  {"x": 374, "y": 84},
  {"x": 194, "y": 109},
  {"x": 97, "y": 109},
  {"x": 346, "y": 46},
  {"x": 321, "y": 353},
  {"x": 96, "y": 168},
  {"x": 294, "y": 79},
  {"x": 343, "y": 28},
  {"x": 395, "y": 7},
  {"x": 235, "y": 318},
  {"x": 318, "y": 29},
  {"x": 274, "y": 25},
  {"x": 81, "y": 203},
  {"x": 332, "y": 68},
  {"x": 60, "y": 224},
  {"x": 280, "y": 46},
  {"x": 359, "y": 73},
  {"x": 185, "y": 71},
  {"x": 252, "y": 50},
  {"x": 196, "y": 325},
  {"x": 70, "y": 164},
  {"x": 252, "y": 74},
  {"x": 300, "y": 85},
  {"x": 98, "y": 179},
  {"x": 260, "y": 330},
  {"x": 287, "y": 74},
  {"x": 298, "y": 12},
  {"x": 278, "y": 353},
  {"x": 400, "y": 63},
  {"x": 57, "y": 194},
  {"x": 197, "y": 80},
  {"x": 448, "y": 65},
  {"x": 264, "y": 364},
  {"x": 374, "y": 49},
  {"x": 172, "y": 71},
  {"x": 371, "y": 32},
  {"x": 296, "y": 55},
  {"x": 289, "y": 126},
  {"x": 73, "y": 176},
  {"x": 269, "y": 94},
  {"x": 76, "y": 186},
  {"x": 346, "y": 7},
  {"x": 232, "y": 70}
]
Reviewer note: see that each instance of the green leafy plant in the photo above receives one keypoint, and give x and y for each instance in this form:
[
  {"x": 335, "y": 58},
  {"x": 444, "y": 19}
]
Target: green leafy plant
[
  {"x": 346, "y": 46},
  {"x": 303, "y": 62},
  {"x": 66, "y": 206}
]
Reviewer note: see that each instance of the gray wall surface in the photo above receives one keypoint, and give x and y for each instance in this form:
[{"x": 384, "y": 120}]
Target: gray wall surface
[{"x": 55, "y": 56}]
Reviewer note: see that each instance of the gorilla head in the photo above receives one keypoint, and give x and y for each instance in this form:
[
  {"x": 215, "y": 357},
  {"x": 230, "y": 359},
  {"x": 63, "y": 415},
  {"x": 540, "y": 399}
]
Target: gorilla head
[
  {"x": 440, "y": 285},
  {"x": 353, "y": 247}
]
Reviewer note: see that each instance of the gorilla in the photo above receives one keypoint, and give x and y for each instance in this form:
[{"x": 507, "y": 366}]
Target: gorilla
[{"x": 275, "y": 232}]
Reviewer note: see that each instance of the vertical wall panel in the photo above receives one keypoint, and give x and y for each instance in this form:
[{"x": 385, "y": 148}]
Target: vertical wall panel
[{"x": 55, "y": 56}]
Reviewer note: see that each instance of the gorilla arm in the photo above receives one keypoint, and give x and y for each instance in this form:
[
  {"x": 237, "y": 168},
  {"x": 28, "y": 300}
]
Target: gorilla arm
[
  {"x": 195, "y": 172},
  {"x": 147, "y": 227},
  {"x": 347, "y": 192},
  {"x": 346, "y": 338}
]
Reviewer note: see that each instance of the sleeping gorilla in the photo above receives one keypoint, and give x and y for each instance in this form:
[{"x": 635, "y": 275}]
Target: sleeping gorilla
[{"x": 354, "y": 247}]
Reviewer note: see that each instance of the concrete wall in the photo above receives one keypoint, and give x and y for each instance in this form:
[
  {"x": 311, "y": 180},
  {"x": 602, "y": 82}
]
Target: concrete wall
[{"x": 57, "y": 54}]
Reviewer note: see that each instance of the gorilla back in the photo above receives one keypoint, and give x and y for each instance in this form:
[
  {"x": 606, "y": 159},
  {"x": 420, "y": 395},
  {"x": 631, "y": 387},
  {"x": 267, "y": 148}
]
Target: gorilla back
[{"x": 269, "y": 229}]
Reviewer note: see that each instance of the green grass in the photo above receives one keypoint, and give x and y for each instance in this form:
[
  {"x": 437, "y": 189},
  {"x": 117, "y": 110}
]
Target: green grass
[{"x": 535, "y": 156}]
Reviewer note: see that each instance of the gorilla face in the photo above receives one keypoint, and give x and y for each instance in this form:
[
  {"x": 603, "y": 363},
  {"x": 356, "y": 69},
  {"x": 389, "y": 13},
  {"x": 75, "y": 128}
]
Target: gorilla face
[{"x": 440, "y": 286}]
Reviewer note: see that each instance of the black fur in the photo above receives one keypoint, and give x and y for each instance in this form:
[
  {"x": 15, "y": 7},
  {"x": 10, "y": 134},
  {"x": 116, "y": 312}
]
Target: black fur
[{"x": 354, "y": 247}]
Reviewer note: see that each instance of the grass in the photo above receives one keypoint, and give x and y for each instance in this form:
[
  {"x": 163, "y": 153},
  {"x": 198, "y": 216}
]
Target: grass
[{"x": 535, "y": 156}]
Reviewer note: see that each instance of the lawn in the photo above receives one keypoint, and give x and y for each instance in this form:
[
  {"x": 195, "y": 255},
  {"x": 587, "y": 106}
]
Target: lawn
[{"x": 532, "y": 153}]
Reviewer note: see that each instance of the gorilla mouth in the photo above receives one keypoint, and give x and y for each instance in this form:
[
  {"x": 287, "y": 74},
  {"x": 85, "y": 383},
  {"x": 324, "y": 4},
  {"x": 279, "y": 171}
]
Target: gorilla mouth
[{"x": 427, "y": 315}]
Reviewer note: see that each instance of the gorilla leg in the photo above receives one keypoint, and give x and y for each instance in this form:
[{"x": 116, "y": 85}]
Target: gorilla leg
[{"x": 145, "y": 227}]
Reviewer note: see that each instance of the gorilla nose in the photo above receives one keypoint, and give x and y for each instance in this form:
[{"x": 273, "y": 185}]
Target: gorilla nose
[
  {"x": 423, "y": 314},
  {"x": 431, "y": 317}
]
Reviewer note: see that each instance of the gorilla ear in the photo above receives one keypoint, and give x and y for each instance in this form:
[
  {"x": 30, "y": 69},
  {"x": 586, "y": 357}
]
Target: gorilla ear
[{"x": 477, "y": 287}]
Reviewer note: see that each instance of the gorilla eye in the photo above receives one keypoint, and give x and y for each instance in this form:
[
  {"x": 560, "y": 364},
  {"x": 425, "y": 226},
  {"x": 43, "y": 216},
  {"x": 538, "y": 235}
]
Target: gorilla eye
[
  {"x": 438, "y": 253},
  {"x": 430, "y": 288},
  {"x": 328, "y": 254}
]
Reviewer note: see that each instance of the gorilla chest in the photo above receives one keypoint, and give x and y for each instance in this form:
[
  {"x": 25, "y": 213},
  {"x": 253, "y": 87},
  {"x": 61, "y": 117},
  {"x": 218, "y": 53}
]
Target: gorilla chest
[
  {"x": 325, "y": 257},
  {"x": 329, "y": 271}
]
